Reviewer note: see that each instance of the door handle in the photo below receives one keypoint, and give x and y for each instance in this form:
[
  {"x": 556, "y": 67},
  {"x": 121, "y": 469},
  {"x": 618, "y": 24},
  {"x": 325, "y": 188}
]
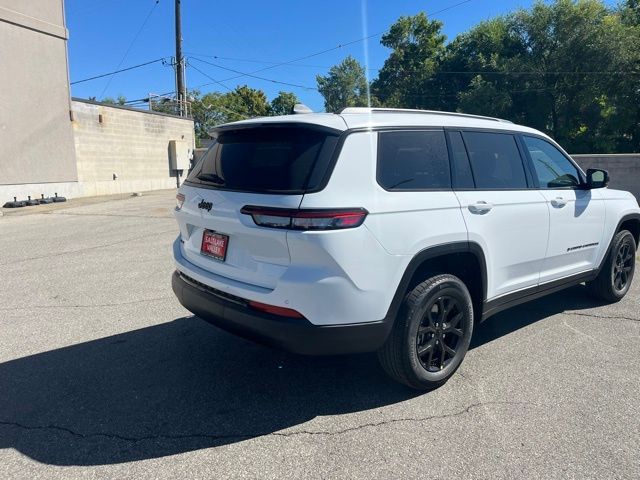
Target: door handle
[
  {"x": 559, "y": 202},
  {"x": 480, "y": 208}
]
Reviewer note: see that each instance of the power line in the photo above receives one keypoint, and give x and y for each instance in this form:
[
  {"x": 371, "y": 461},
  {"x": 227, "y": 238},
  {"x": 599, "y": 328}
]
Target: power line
[
  {"x": 321, "y": 52},
  {"x": 220, "y": 107},
  {"x": 144, "y": 23},
  {"x": 209, "y": 77},
  {"x": 440, "y": 72},
  {"x": 119, "y": 71},
  {"x": 339, "y": 46},
  {"x": 249, "y": 60},
  {"x": 495, "y": 72},
  {"x": 243, "y": 74},
  {"x": 137, "y": 100}
]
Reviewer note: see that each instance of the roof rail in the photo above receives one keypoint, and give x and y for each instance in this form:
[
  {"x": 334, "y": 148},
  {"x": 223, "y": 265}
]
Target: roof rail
[{"x": 410, "y": 110}]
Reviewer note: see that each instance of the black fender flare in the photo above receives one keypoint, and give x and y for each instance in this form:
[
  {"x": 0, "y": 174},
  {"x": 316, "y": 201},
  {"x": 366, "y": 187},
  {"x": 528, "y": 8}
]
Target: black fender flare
[
  {"x": 430, "y": 253},
  {"x": 624, "y": 218}
]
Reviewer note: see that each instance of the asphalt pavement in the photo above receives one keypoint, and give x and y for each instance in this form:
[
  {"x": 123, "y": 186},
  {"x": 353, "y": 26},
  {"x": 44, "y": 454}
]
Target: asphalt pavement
[{"x": 104, "y": 375}]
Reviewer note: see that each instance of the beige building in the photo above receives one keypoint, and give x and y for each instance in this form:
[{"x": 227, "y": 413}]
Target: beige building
[
  {"x": 36, "y": 138},
  {"x": 49, "y": 143}
]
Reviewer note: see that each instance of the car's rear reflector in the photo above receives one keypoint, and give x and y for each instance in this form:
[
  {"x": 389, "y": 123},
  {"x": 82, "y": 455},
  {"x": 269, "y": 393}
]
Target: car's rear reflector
[
  {"x": 316, "y": 219},
  {"x": 179, "y": 200},
  {"x": 274, "y": 310}
]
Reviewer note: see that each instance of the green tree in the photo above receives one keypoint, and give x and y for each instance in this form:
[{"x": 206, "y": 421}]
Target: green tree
[
  {"x": 283, "y": 104},
  {"x": 215, "y": 108},
  {"x": 246, "y": 102},
  {"x": 485, "y": 98},
  {"x": 622, "y": 117},
  {"x": 483, "y": 51},
  {"x": 565, "y": 42},
  {"x": 630, "y": 12},
  {"x": 344, "y": 86},
  {"x": 416, "y": 44},
  {"x": 121, "y": 100},
  {"x": 552, "y": 67}
]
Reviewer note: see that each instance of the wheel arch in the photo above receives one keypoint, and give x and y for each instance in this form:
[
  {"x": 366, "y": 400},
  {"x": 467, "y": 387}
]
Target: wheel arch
[
  {"x": 630, "y": 222},
  {"x": 464, "y": 259}
]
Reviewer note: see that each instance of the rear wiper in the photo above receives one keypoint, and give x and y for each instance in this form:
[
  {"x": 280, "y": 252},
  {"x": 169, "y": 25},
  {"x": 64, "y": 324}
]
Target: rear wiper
[{"x": 211, "y": 177}]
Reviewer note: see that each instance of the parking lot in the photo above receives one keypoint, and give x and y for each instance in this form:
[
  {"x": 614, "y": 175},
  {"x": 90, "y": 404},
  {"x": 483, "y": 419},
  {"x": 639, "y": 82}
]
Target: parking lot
[{"x": 104, "y": 375}]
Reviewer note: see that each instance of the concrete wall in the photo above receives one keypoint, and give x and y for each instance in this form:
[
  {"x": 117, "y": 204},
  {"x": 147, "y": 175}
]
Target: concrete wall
[
  {"x": 624, "y": 169},
  {"x": 130, "y": 143},
  {"x": 198, "y": 153},
  {"x": 36, "y": 137}
]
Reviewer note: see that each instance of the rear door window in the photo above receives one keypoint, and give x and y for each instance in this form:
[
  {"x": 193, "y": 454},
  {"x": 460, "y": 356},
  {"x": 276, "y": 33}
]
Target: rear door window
[
  {"x": 495, "y": 160},
  {"x": 413, "y": 160},
  {"x": 266, "y": 160}
]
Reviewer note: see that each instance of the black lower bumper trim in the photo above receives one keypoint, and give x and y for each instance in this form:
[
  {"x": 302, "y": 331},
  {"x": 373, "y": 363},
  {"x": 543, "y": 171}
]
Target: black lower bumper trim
[{"x": 296, "y": 335}]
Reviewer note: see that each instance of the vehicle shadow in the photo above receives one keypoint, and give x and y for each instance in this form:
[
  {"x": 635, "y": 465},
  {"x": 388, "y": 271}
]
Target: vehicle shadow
[
  {"x": 574, "y": 298},
  {"x": 172, "y": 388},
  {"x": 184, "y": 385}
]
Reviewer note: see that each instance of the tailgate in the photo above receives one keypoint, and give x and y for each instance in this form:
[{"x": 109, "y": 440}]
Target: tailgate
[{"x": 255, "y": 255}]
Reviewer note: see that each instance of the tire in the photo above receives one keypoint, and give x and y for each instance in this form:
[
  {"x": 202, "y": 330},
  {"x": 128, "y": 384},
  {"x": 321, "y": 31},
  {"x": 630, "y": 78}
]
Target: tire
[
  {"x": 616, "y": 274},
  {"x": 440, "y": 301}
]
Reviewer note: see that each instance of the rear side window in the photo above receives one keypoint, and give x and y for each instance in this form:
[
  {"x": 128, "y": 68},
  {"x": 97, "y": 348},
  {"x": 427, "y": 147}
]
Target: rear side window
[
  {"x": 266, "y": 160},
  {"x": 413, "y": 160},
  {"x": 495, "y": 160}
]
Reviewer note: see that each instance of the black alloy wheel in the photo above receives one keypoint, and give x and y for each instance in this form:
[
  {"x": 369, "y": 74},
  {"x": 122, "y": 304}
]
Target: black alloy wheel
[
  {"x": 616, "y": 273},
  {"x": 431, "y": 333},
  {"x": 440, "y": 333},
  {"x": 623, "y": 266}
]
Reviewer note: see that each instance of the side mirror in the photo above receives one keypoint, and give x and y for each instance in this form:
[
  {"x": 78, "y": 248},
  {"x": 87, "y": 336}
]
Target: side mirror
[{"x": 597, "y": 178}]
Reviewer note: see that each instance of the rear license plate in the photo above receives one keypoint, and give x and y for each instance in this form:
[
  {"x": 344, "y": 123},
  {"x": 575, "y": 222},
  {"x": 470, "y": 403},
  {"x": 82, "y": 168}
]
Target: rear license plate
[{"x": 214, "y": 245}]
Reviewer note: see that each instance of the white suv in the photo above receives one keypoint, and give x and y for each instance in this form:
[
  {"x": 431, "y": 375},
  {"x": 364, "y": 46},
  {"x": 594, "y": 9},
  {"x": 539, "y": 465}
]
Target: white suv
[{"x": 391, "y": 231}]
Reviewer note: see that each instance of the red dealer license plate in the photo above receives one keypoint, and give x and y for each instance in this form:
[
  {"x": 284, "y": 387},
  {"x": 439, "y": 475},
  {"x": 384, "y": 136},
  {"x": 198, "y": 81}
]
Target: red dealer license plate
[{"x": 214, "y": 245}]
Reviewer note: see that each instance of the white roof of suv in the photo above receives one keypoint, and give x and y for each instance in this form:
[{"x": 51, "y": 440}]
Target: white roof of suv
[{"x": 362, "y": 117}]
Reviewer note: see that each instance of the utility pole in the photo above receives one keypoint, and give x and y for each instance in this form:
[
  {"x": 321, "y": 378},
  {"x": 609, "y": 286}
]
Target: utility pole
[{"x": 181, "y": 94}]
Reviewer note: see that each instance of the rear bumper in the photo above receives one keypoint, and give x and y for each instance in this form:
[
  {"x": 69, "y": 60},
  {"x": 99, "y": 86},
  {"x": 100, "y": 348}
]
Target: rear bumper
[{"x": 291, "y": 334}]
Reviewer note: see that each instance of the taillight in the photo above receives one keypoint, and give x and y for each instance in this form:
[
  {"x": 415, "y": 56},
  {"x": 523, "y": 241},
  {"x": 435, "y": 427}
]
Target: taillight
[
  {"x": 179, "y": 201},
  {"x": 272, "y": 309},
  {"x": 316, "y": 219}
]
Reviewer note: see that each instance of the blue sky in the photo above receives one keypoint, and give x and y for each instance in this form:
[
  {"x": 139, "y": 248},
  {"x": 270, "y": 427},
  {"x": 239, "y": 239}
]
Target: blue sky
[{"x": 245, "y": 36}]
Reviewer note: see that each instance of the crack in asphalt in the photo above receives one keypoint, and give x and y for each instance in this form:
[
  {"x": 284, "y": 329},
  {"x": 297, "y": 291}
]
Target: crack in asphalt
[
  {"x": 612, "y": 317},
  {"x": 590, "y": 337},
  {"x": 579, "y": 314},
  {"x": 118, "y": 304},
  {"x": 240, "y": 436}
]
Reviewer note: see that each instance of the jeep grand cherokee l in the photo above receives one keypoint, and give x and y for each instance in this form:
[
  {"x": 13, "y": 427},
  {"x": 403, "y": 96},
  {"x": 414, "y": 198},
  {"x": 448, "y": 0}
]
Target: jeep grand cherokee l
[{"x": 393, "y": 231}]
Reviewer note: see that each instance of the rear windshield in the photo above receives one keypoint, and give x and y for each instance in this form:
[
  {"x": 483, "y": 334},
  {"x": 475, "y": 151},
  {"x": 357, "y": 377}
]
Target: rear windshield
[{"x": 266, "y": 160}]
